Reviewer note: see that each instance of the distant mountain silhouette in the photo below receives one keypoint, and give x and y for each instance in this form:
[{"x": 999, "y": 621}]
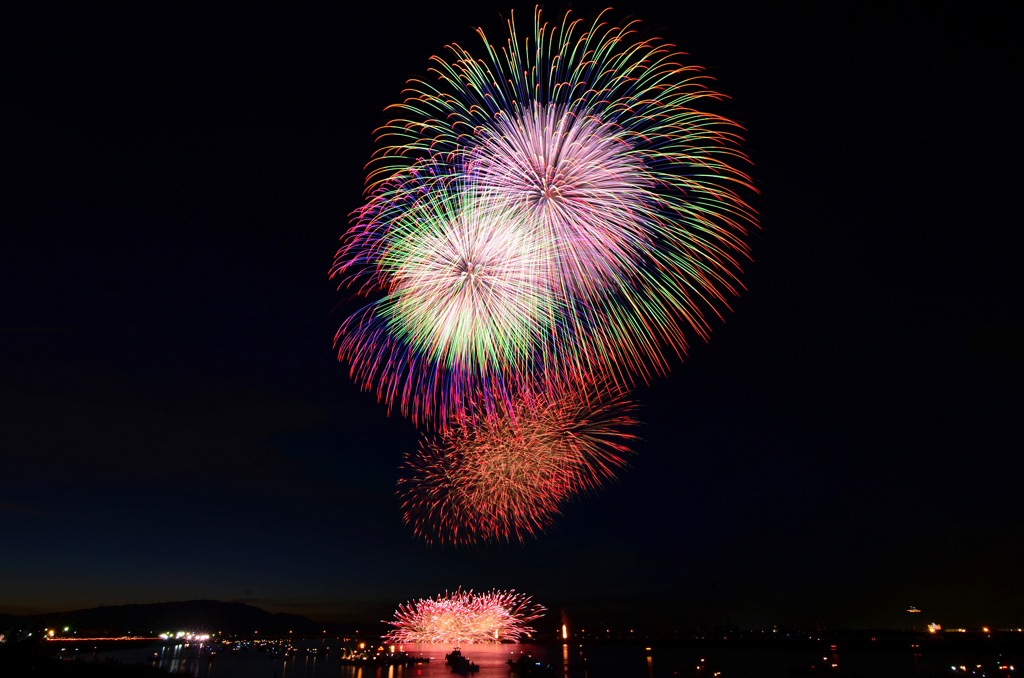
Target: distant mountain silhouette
[{"x": 207, "y": 616}]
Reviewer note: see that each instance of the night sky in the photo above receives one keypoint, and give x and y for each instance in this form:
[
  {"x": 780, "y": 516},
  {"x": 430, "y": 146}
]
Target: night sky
[{"x": 174, "y": 424}]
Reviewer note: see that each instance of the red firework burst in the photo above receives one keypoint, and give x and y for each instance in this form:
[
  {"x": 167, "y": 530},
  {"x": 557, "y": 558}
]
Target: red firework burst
[
  {"x": 505, "y": 477},
  {"x": 465, "y": 617}
]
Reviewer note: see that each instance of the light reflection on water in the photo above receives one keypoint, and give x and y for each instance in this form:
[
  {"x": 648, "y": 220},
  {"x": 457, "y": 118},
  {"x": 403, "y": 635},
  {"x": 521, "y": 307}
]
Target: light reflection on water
[
  {"x": 192, "y": 660},
  {"x": 601, "y": 662}
]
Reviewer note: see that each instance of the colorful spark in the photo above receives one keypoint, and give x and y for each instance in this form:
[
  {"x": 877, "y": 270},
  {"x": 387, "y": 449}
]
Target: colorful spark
[
  {"x": 465, "y": 617},
  {"x": 506, "y": 477},
  {"x": 465, "y": 300},
  {"x": 556, "y": 212}
]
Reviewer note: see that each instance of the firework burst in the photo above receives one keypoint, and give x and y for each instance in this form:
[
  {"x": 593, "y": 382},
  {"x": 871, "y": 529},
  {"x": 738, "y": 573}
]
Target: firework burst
[
  {"x": 466, "y": 301},
  {"x": 558, "y": 210},
  {"x": 567, "y": 174},
  {"x": 465, "y": 617},
  {"x": 506, "y": 477}
]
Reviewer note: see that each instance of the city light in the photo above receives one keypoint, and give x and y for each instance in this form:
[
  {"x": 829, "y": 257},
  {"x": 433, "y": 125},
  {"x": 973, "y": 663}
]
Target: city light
[
  {"x": 94, "y": 639},
  {"x": 185, "y": 635}
]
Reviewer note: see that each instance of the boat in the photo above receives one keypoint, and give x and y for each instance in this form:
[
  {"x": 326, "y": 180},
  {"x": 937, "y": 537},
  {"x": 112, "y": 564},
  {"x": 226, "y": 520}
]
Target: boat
[
  {"x": 526, "y": 666},
  {"x": 459, "y": 663},
  {"x": 403, "y": 659}
]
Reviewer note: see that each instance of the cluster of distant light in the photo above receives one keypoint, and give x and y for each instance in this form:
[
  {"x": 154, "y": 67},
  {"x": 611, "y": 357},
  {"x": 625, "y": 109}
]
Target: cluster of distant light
[
  {"x": 547, "y": 221},
  {"x": 465, "y": 617},
  {"x": 91, "y": 640},
  {"x": 185, "y": 635}
]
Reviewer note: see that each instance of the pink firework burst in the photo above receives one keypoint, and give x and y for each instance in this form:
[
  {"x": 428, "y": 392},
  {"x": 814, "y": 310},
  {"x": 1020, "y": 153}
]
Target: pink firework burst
[
  {"x": 465, "y": 617},
  {"x": 506, "y": 476},
  {"x": 573, "y": 177}
]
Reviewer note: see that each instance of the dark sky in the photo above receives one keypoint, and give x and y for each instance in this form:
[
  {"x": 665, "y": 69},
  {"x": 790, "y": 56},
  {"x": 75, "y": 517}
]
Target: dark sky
[{"x": 173, "y": 423}]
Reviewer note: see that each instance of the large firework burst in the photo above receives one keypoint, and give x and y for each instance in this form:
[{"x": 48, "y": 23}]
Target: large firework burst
[
  {"x": 567, "y": 172},
  {"x": 506, "y": 476},
  {"x": 556, "y": 210},
  {"x": 465, "y": 299},
  {"x": 465, "y": 617}
]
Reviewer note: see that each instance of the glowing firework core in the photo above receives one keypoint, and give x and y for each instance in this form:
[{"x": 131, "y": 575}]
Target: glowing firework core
[
  {"x": 458, "y": 288},
  {"x": 465, "y": 617},
  {"x": 573, "y": 177}
]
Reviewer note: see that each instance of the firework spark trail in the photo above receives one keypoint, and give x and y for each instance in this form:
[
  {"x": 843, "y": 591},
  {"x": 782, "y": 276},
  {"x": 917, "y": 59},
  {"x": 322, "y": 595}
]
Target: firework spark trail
[
  {"x": 467, "y": 304},
  {"x": 465, "y": 617},
  {"x": 505, "y": 478},
  {"x": 575, "y": 180},
  {"x": 614, "y": 202},
  {"x": 467, "y": 284}
]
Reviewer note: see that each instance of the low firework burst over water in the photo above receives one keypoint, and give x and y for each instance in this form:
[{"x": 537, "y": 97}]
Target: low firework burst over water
[
  {"x": 506, "y": 477},
  {"x": 465, "y": 617}
]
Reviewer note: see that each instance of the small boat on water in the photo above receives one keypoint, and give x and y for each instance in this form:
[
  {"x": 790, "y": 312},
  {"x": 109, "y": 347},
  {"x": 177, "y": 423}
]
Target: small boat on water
[
  {"x": 526, "y": 666},
  {"x": 459, "y": 663}
]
